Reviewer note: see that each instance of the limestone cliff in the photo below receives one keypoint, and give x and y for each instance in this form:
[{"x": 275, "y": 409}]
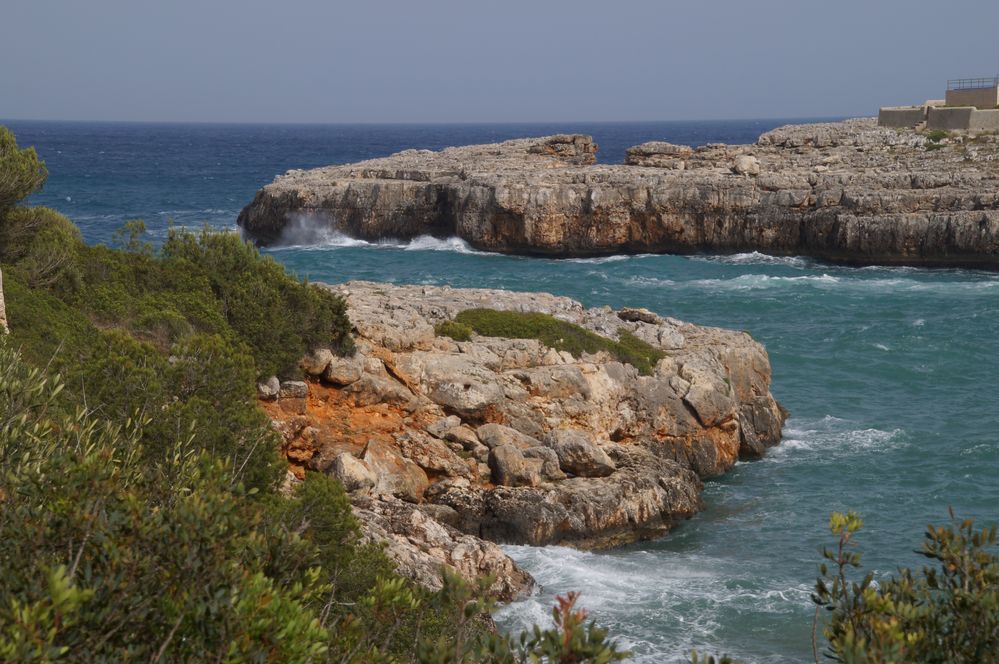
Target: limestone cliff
[
  {"x": 449, "y": 445},
  {"x": 849, "y": 192}
]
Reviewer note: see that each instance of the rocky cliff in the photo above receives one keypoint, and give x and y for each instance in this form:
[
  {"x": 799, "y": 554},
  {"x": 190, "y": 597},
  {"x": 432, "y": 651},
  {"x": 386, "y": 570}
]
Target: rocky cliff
[
  {"x": 448, "y": 446},
  {"x": 849, "y": 192}
]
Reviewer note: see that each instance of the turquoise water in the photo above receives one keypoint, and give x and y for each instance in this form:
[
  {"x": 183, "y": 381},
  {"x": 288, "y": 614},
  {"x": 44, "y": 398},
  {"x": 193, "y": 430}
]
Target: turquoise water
[{"x": 888, "y": 373}]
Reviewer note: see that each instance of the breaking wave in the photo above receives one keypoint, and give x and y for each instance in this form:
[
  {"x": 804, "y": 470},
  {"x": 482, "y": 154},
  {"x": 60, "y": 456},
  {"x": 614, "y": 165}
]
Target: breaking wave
[
  {"x": 301, "y": 235},
  {"x": 833, "y": 438},
  {"x": 757, "y": 258},
  {"x": 666, "y": 603}
]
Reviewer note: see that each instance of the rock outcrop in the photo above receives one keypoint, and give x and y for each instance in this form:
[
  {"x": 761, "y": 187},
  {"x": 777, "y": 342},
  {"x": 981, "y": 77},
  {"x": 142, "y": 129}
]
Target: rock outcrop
[
  {"x": 444, "y": 444},
  {"x": 849, "y": 192}
]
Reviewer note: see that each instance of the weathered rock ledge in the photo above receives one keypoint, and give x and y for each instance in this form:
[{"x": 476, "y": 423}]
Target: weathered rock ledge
[
  {"x": 848, "y": 192},
  {"x": 448, "y": 447}
]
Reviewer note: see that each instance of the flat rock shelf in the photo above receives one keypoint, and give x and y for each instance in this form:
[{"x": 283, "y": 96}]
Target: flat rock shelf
[{"x": 849, "y": 192}]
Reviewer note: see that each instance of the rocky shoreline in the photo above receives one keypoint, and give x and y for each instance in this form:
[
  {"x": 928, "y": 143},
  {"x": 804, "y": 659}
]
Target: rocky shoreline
[
  {"x": 450, "y": 447},
  {"x": 849, "y": 192}
]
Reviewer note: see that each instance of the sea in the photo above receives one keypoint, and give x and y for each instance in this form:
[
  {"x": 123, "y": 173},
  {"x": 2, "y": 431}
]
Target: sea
[{"x": 889, "y": 373}]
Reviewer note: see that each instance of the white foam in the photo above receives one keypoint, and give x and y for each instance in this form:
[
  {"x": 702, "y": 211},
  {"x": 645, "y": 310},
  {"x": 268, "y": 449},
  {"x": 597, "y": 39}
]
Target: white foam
[
  {"x": 636, "y": 594},
  {"x": 431, "y": 243},
  {"x": 831, "y": 438},
  {"x": 599, "y": 260},
  {"x": 764, "y": 281},
  {"x": 305, "y": 234},
  {"x": 757, "y": 258}
]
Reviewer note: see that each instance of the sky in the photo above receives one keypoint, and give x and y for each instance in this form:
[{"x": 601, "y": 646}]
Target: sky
[{"x": 483, "y": 61}]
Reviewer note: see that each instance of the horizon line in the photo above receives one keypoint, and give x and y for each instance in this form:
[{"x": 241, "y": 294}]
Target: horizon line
[{"x": 423, "y": 123}]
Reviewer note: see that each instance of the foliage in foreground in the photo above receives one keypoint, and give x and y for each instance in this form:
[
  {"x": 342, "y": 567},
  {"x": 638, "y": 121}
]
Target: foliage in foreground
[
  {"x": 946, "y": 612},
  {"x": 554, "y": 333},
  {"x": 111, "y": 553},
  {"x": 139, "y": 514}
]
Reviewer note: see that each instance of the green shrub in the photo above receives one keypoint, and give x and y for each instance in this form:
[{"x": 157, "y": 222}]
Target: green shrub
[
  {"x": 560, "y": 335},
  {"x": 109, "y": 557},
  {"x": 945, "y": 613},
  {"x": 454, "y": 330},
  {"x": 21, "y": 172},
  {"x": 41, "y": 245},
  {"x": 937, "y": 135},
  {"x": 930, "y": 147},
  {"x": 115, "y": 554},
  {"x": 279, "y": 317}
]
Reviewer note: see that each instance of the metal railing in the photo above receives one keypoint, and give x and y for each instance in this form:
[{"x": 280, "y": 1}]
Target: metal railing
[{"x": 972, "y": 83}]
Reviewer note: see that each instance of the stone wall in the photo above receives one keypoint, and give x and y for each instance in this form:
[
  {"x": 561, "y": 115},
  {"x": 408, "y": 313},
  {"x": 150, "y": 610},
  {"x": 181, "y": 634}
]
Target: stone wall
[
  {"x": 949, "y": 118},
  {"x": 963, "y": 118},
  {"x": 900, "y": 117},
  {"x": 985, "y": 120},
  {"x": 979, "y": 97}
]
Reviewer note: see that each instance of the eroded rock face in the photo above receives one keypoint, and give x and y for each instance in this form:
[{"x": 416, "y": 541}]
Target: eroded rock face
[
  {"x": 511, "y": 441},
  {"x": 422, "y": 545},
  {"x": 849, "y": 191}
]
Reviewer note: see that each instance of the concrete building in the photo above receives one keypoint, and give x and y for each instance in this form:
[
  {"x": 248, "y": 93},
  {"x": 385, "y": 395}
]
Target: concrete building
[
  {"x": 972, "y": 104},
  {"x": 982, "y": 93}
]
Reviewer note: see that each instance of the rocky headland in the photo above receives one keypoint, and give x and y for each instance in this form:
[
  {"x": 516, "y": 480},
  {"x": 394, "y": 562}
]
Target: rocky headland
[
  {"x": 450, "y": 447},
  {"x": 848, "y": 192}
]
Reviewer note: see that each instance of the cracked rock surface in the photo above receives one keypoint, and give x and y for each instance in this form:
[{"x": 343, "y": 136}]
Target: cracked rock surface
[{"x": 454, "y": 446}]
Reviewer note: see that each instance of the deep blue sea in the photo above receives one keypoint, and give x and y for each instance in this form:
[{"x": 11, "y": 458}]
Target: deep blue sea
[{"x": 889, "y": 373}]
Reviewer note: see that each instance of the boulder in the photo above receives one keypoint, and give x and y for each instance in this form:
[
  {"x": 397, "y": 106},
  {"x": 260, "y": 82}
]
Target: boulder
[
  {"x": 509, "y": 467},
  {"x": 293, "y": 389},
  {"x": 579, "y": 455},
  {"x": 422, "y": 545},
  {"x": 269, "y": 388},
  {"x": 343, "y": 370},
  {"x": 746, "y": 164},
  {"x": 372, "y": 389},
  {"x": 464, "y": 394},
  {"x": 711, "y": 399},
  {"x": 353, "y": 473},
  {"x": 639, "y": 316},
  {"x": 550, "y": 469},
  {"x": 395, "y": 475},
  {"x": 494, "y": 435},
  {"x": 464, "y": 436},
  {"x": 439, "y": 427},
  {"x": 431, "y": 454},
  {"x": 315, "y": 363}
]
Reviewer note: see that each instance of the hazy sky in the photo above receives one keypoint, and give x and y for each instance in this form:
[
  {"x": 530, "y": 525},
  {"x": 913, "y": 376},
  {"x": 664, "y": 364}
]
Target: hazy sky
[{"x": 468, "y": 60}]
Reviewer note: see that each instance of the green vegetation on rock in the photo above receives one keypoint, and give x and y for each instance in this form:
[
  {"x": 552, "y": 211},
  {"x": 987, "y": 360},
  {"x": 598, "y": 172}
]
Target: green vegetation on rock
[
  {"x": 453, "y": 330},
  {"x": 560, "y": 335},
  {"x": 937, "y": 135}
]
